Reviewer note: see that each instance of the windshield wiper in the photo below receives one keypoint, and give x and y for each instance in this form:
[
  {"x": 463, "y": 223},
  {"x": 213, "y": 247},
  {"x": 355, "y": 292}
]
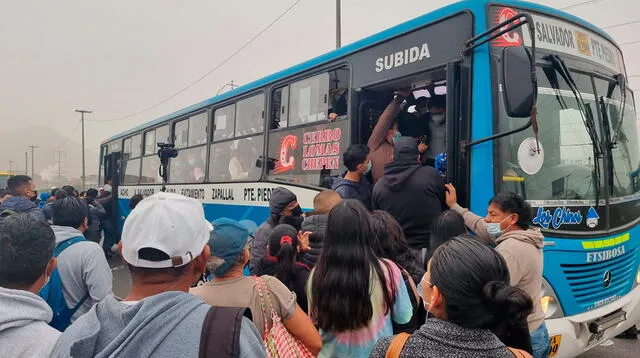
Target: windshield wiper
[{"x": 585, "y": 112}]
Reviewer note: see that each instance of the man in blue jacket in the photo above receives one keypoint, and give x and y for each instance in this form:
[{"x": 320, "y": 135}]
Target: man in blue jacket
[
  {"x": 354, "y": 184},
  {"x": 22, "y": 191}
]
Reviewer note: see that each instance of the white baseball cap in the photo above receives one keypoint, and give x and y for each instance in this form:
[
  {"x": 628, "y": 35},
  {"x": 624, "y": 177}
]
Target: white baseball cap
[{"x": 168, "y": 222}]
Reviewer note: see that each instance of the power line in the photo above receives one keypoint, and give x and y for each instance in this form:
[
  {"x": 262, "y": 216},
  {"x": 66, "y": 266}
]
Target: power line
[
  {"x": 620, "y": 25},
  {"x": 70, "y": 135},
  {"x": 208, "y": 72},
  {"x": 629, "y": 43},
  {"x": 580, "y": 4}
]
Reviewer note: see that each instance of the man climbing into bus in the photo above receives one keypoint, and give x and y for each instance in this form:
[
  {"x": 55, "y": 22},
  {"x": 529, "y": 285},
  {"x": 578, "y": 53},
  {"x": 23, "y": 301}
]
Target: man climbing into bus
[
  {"x": 412, "y": 193},
  {"x": 381, "y": 140},
  {"x": 437, "y": 140}
]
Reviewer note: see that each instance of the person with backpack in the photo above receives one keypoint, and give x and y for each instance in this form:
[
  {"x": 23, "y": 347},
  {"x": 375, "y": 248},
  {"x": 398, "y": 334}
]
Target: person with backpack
[
  {"x": 354, "y": 183},
  {"x": 22, "y": 190},
  {"x": 474, "y": 311},
  {"x": 82, "y": 277},
  {"x": 26, "y": 261},
  {"x": 265, "y": 296},
  {"x": 159, "y": 318}
]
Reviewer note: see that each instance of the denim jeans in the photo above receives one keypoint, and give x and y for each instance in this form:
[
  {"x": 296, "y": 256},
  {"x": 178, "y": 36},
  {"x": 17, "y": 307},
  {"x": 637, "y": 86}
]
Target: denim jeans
[{"x": 540, "y": 342}]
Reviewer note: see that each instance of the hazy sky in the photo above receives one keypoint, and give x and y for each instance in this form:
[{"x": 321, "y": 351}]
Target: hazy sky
[{"x": 117, "y": 57}]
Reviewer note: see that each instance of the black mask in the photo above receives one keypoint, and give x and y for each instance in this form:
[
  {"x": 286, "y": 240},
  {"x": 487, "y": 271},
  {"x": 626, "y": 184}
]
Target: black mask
[
  {"x": 296, "y": 211},
  {"x": 295, "y": 221}
]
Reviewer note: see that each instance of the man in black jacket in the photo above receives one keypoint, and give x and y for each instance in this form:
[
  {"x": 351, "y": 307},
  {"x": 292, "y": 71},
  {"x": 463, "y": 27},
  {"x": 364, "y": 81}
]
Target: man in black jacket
[{"x": 412, "y": 193}]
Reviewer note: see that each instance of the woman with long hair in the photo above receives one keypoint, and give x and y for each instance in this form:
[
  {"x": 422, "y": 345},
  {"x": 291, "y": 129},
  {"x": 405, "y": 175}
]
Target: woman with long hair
[
  {"x": 353, "y": 295},
  {"x": 509, "y": 226},
  {"x": 390, "y": 244},
  {"x": 280, "y": 262},
  {"x": 447, "y": 225},
  {"x": 474, "y": 312}
]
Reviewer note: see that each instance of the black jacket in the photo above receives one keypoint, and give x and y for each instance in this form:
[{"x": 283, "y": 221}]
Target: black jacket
[
  {"x": 414, "y": 195},
  {"x": 317, "y": 225}
]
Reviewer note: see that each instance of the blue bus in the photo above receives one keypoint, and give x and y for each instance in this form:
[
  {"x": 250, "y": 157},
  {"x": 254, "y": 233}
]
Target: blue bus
[{"x": 537, "y": 102}]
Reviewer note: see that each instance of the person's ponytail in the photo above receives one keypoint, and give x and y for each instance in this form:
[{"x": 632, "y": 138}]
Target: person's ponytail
[
  {"x": 286, "y": 259},
  {"x": 510, "y": 306}
]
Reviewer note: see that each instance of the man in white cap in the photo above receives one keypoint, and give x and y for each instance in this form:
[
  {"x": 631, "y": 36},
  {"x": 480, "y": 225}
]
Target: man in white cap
[{"x": 164, "y": 243}]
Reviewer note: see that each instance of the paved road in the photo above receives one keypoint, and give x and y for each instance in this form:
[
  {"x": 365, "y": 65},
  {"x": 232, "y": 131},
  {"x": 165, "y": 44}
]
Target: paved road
[{"x": 620, "y": 348}]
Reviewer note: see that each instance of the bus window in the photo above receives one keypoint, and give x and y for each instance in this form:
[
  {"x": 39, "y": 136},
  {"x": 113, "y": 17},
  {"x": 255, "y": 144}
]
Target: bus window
[
  {"x": 198, "y": 129},
  {"x": 338, "y": 93},
  {"x": 136, "y": 146},
  {"x": 181, "y": 133},
  {"x": 131, "y": 171},
  {"x": 224, "y": 119},
  {"x": 150, "y": 166},
  {"x": 309, "y": 100},
  {"x": 162, "y": 135},
  {"x": 189, "y": 166},
  {"x": 249, "y": 116},
  {"x": 236, "y": 160},
  {"x": 126, "y": 150},
  {"x": 280, "y": 108},
  {"x": 150, "y": 142}
]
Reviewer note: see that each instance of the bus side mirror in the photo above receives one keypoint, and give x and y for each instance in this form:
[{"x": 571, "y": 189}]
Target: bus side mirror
[{"x": 518, "y": 81}]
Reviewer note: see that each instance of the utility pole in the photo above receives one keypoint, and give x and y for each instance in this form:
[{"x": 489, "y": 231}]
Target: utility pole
[
  {"x": 11, "y": 163},
  {"x": 33, "y": 159},
  {"x": 59, "y": 153},
  {"x": 82, "y": 112},
  {"x": 26, "y": 163},
  {"x": 338, "y": 24}
]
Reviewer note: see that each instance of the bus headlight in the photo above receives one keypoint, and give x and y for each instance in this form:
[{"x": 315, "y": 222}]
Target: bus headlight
[
  {"x": 638, "y": 277},
  {"x": 549, "y": 302}
]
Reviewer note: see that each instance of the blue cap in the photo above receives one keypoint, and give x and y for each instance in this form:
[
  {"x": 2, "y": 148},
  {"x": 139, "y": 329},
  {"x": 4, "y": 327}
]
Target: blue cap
[{"x": 228, "y": 240}]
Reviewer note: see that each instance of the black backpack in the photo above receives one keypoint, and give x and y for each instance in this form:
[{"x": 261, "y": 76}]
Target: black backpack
[{"x": 220, "y": 335}]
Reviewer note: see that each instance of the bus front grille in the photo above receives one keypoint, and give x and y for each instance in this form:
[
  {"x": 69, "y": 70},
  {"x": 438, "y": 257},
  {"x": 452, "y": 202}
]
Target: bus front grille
[{"x": 591, "y": 283}]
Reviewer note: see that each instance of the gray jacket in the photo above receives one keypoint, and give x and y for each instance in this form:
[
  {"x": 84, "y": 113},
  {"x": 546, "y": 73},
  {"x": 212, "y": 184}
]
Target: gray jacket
[
  {"x": 165, "y": 325},
  {"x": 437, "y": 338},
  {"x": 260, "y": 242},
  {"x": 83, "y": 268},
  {"x": 24, "y": 328}
]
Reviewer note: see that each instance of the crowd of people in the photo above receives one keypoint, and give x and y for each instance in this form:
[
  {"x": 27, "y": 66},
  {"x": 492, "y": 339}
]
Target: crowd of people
[
  {"x": 337, "y": 281},
  {"x": 387, "y": 264}
]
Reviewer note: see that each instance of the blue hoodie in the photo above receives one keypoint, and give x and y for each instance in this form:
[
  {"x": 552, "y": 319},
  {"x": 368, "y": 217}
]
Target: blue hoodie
[{"x": 21, "y": 204}]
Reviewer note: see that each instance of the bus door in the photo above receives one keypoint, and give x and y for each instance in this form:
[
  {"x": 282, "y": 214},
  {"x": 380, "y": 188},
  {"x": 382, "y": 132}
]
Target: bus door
[{"x": 112, "y": 173}]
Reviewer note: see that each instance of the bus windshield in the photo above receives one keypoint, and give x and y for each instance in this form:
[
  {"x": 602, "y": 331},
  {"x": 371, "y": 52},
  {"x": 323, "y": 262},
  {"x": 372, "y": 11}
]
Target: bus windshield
[{"x": 568, "y": 170}]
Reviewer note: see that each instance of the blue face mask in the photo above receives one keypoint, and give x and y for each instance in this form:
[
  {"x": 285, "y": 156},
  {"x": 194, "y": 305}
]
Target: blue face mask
[
  {"x": 396, "y": 136},
  {"x": 494, "y": 229}
]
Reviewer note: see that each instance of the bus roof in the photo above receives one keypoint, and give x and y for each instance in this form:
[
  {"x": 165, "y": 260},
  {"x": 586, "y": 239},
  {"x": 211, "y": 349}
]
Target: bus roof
[{"x": 473, "y": 5}]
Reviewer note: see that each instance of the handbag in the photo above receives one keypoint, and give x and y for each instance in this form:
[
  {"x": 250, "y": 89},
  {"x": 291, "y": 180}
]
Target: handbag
[{"x": 279, "y": 343}]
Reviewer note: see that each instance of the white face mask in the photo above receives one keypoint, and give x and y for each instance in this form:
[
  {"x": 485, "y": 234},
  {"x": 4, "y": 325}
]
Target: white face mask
[{"x": 438, "y": 118}]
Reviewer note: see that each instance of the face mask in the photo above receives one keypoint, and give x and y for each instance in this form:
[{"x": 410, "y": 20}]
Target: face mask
[
  {"x": 368, "y": 168},
  {"x": 494, "y": 229},
  {"x": 396, "y": 136},
  {"x": 438, "y": 118},
  {"x": 296, "y": 211}
]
